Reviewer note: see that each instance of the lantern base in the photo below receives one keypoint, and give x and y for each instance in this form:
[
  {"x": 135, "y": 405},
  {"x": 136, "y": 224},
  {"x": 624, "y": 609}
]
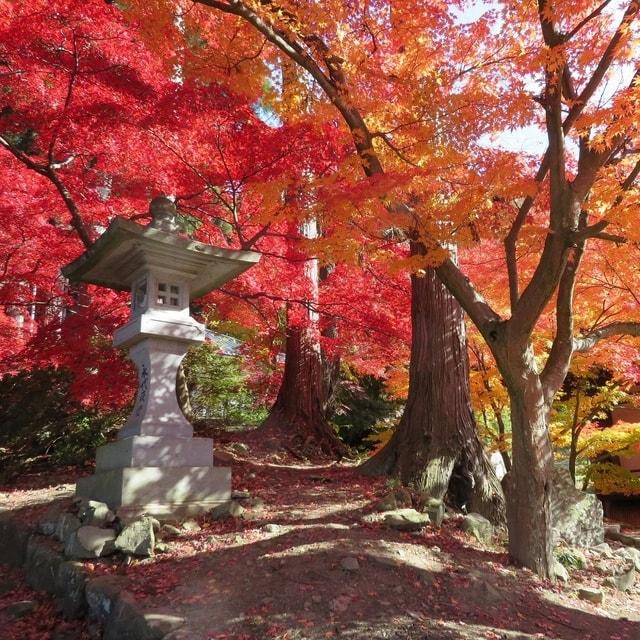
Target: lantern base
[{"x": 158, "y": 491}]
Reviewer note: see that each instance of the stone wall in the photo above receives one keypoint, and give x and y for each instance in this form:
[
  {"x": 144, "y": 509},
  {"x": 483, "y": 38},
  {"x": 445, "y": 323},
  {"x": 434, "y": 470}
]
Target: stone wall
[{"x": 103, "y": 600}]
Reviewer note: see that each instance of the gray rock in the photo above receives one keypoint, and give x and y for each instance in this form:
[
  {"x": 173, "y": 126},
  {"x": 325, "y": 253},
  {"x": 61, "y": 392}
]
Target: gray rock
[
  {"x": 186, "y": 633},
  {"x": 21, "y": 609},
  {"x": 71, "y": 581},
  {"x": 340, "y": 604},
  {"x": 271, "y": 528},
  {"x": 95, "y": 513},
  {"x": 224, "y": 457},
  {"x": 48, "y": 523},
  {"x": 397, "y": 498},
  {"x": 604, "y": 549},
  {"x": 168, "y": 531},
  {"x": 596, "y": 596},
  {"x": 256, "y": 504},
  {"x": 435, "y": 509},
  {"x": 240, "y": 448},
  {"x": 631, "y": 554},
  {"x": 386, "y": 503},
  {"x": 102, "y": 594},
  {"x": 478, "y": 526},
  {"x": 15, "y": 539},
  {"x": 560, "y": 572},
  {"x": 350, "y": 563},
  {"x": 66, "y": 525},
  {"x": 627, "y": 540},
  {"x": 121, "y": 621},
  {"x": 155, "y": 523},
  {"x": 576, "y": 515},
  {"x": 90, "y": 542},
  {"x": 137, "y": 538},
  {"x": 239, "y": 494},
  {"x": 229, "y": 509},
  {"x": 191, "y": 525},
  {"x": 41, "y": 566},
  {"x": 406, "y": 520},
  {"x": 489, "y": 592},
  {"x": 623, "y": 582}
]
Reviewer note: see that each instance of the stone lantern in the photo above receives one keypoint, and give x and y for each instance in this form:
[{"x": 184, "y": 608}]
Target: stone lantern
[{"x": 156, "y": 466}]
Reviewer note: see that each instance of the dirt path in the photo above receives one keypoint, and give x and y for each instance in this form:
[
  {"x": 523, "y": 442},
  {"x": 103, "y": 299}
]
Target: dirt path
[{"x": 308, "y": 563}]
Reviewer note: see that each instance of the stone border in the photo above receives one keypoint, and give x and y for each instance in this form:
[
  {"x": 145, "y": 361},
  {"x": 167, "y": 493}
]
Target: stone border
[{"x": 103, "y": 600}]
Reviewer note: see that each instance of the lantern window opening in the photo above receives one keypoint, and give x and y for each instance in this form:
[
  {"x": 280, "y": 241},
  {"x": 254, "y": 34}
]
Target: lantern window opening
[{"x": 168, "y": 295}]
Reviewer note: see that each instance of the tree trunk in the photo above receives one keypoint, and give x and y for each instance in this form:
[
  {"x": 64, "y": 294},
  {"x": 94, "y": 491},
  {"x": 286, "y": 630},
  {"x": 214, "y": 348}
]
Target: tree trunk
[
  {"x": 297, "y": 418},
  {"x": 182, "y": 391},
  {"x": 436, "y": 446},
  {"x": 529, "y": 483},
  {"x": 575, "y": 434},
  {"x": 330, "y": 362}
]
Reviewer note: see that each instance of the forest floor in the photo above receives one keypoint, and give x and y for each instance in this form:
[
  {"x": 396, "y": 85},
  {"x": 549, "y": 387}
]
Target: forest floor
[{"x": 237, "y": 579}]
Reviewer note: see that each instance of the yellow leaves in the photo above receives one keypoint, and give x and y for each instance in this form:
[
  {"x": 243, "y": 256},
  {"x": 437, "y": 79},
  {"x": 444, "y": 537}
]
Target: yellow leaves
[
  {"x": 607, "y": 478},
  {"x": 397, "y": 382},
  {"x": 620, "y": 439},
  {"x": 417, "y": 264}
]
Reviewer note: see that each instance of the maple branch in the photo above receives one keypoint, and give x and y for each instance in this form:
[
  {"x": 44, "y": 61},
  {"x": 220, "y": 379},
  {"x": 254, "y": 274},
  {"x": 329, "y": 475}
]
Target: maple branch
[
  {"x": 334, "y": 87},
  {"x": 22, "y": 157},
  {"x": 50, "y": 173},
  {"x": 67, "y": 102},
  {"x": 628, "y": 183},
  {"x": 557, "y": 365},
  {"x": 566, "y": 198},
  {"x": 589, "y": 340},
  {"x": 585, "y": 21},
  {"x": 395, "y": 149},
  {"x": 76, "y": 219},
  {"x": 574, "y": 112},
  {"x": 476, "y": 307}
]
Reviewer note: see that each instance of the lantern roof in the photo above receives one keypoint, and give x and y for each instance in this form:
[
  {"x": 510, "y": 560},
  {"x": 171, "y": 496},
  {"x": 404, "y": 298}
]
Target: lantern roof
[{"x": 127, "y": 249}]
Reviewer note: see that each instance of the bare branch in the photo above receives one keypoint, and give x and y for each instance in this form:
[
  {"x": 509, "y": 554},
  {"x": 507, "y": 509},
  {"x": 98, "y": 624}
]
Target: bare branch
[
  {"x": 589, "y": 340},
  {"x": 585, "y": 21}
]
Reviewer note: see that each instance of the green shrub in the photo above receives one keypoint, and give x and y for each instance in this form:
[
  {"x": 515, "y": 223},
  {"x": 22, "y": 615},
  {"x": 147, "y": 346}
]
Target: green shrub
[
  {"x": 218, "y": 388},
  {"x": 42, "y": 425},
  {"x": 363, "y": 410}
]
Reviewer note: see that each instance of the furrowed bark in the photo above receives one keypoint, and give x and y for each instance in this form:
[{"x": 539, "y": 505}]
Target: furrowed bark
[
  {"x": 297, "y": 419},
  {"x": 435, "y": 447}
]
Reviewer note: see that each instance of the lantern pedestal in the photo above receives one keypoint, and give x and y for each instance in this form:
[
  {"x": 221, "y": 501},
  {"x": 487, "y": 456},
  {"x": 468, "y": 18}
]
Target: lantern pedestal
[
  {"x": 158, "y": 491},
  {"x": 156, "y": 466}
]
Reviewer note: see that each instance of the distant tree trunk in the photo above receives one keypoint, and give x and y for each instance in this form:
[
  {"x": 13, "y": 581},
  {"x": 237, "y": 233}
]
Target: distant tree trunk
[
  {"x": 182, "y": 391},
  {"x": 330, "y": 362},
  {"x": 436, "y": 446},
  {"x": 298, "y": 419},
  {"x": 575, "y": 434},
  {"x": 298, "y": 416}
]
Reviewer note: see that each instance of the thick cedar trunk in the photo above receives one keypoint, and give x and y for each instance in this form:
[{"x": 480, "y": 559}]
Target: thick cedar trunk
[
  {"x": 297, "y": 418},
  {"x": 436, "y": 446},
  {"x": 529, "y": 483}
]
